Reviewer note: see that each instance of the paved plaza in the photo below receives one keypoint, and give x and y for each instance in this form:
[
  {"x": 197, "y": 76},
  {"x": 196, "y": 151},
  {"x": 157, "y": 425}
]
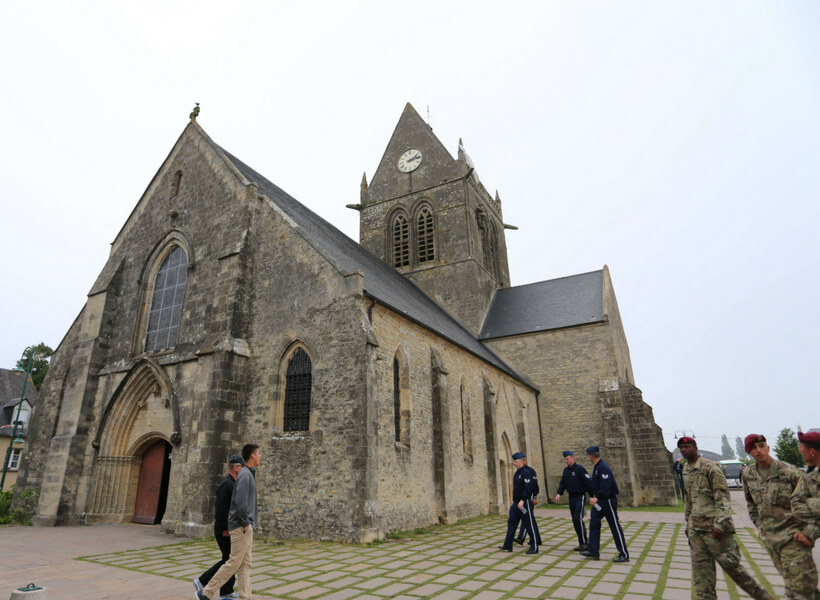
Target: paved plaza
[{"x": 449, "y": 563}]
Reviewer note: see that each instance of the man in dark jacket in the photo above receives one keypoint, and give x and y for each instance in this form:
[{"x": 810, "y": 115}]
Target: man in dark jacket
[
  {"x": 525, "y": 489},
  {"x": 605, "y": 502},
  {"x": 242, "y": 520},
  {"x": 221, "y": 533},
  {"x": 575, "y": 480}
]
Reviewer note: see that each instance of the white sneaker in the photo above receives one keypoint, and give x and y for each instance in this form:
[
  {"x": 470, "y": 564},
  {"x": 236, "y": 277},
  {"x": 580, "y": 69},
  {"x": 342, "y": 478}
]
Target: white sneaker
[{"x": 231, "y": 596}]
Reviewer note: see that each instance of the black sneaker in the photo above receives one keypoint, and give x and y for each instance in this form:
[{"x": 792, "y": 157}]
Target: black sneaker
[
  {"x": 519, "y": 541},
  {"x": 621, "y": 558},
  {"x": 590, "y": 555},
  {"x": 531, "y": 550},
  {"x": 581, "y": 548},
  {"x": 505, "y": 549}
]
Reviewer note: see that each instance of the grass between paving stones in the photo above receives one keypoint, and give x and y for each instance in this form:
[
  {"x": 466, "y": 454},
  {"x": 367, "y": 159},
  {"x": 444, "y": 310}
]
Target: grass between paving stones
[
  {"x": 678, "y": 508},
  {"x": 761, "y": 578},
  {"x": 459, "y": 559},
  {"x": 670, "y": 552}
]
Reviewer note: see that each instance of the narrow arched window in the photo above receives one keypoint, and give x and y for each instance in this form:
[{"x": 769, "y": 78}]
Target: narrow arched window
[
  {"x": 396, "y": 400},
  {"x": 424, "y": 235},
  {"x": 401, "y": 240},
  {"x": 299, "y": 379},
  {"x": 466, "y": 423},
  {"x": 166, "y": 302}
]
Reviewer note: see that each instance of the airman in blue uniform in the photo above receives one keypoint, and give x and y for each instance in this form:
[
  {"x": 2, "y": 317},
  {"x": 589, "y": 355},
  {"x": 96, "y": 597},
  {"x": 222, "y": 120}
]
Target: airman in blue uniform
[
  {"x": 605, "y": 502},
  {"x": 525, "y": 490},
  {"x": 576, "y": 481}
]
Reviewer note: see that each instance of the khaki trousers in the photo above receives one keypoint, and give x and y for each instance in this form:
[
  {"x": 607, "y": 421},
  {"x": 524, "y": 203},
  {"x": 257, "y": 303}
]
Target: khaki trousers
[{"x": 239, "y": 563}]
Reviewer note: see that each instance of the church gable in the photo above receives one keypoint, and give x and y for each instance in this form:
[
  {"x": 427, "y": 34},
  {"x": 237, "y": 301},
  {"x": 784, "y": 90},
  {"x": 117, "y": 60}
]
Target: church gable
[{"x": 414, "y": 159}]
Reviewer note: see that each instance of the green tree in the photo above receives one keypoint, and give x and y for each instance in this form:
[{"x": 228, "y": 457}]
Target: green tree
[
  {"x": 726, "y": 448},
  {"x": 741, "y": 449},
  {"x": 786, "y": 448},
  {"x": 39, "y": 366}
]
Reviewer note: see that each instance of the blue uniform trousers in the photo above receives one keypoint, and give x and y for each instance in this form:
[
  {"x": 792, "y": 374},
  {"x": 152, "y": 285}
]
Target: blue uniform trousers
[
  {"x": 609, "y": 511},
  {"x": 529, "y": 523},
  {"x": 576, "y": 509}
]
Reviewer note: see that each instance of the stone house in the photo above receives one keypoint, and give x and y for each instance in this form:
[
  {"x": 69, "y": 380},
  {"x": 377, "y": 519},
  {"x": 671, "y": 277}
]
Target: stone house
[
  {"x": 14, "y": 407},
  {"x": 385, "y": 381}
]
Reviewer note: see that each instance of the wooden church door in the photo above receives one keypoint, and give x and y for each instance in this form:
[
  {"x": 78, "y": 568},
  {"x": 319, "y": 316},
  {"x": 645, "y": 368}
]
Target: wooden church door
[{"x": 152, "y": 488}]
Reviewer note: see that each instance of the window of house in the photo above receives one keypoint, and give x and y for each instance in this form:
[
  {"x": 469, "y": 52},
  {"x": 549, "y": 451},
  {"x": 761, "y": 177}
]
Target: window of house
[
  {"x": 14, "y": 459},
  {"x": 298, "y": 383},
  {"x": 401, "y": 240},
  {"x": 166, "y": 302},
  {"x": 424, "y": 235},
  {"x": 466, "y": 423}
]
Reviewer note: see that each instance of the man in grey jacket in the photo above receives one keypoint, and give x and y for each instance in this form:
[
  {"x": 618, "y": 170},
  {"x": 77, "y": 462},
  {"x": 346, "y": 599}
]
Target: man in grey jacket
[{"x": 242, "y": 519}]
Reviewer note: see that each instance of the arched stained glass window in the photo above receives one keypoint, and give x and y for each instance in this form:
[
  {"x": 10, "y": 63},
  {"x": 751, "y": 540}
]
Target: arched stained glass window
[
  {"x": 401, "y": 240},
  {"x": 299, "y": 380},
  {"x": 166, "y": 302},
  {"x": 424, "y": 235}
]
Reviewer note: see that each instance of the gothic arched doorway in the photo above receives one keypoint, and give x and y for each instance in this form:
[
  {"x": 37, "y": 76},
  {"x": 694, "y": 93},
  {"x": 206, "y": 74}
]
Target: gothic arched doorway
[
  {"x": 131, "y": 473},
  {"x": 152, "y": 486}
]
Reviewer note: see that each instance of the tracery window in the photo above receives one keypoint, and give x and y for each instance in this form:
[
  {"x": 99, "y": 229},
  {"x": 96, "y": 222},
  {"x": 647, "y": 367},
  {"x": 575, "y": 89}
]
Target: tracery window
[
  {"x": 401, "y": 240},
  {"x": 166, "y": 301},
  {"x": 425, "y": 240},
  {"x": 298, "y": 382}
]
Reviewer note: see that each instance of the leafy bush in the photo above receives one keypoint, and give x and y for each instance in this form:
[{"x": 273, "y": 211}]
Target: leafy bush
[{"x": 5, "y": 504}]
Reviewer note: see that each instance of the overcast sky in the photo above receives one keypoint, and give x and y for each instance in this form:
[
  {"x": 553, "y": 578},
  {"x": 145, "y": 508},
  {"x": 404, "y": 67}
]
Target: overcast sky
[{"x": 678, "y": 143}]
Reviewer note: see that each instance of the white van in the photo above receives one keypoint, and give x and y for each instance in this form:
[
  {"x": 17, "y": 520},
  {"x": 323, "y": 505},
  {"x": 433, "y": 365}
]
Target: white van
[{"x": 733, "y": 470}]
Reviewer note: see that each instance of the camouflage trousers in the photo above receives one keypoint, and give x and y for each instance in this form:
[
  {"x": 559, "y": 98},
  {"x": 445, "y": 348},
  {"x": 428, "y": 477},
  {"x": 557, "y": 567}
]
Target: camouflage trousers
[
  {"x": 795, "y": 564},
  {"x": 705, "y": 551}
]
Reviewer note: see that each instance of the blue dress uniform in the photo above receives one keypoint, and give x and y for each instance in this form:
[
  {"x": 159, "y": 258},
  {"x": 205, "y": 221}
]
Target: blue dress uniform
[
  {"x": 525, "y": 487},
  {"x": 576, "y": 481},
  {"x": 605, "y": 489}
]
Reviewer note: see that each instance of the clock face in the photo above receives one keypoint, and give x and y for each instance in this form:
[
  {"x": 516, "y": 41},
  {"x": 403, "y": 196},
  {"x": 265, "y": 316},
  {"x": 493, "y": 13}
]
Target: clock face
[{"x": 409, "y": 161}]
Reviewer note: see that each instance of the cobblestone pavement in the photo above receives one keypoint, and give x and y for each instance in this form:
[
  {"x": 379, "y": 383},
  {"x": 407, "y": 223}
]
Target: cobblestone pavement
[{"x": 449, "y": 563}]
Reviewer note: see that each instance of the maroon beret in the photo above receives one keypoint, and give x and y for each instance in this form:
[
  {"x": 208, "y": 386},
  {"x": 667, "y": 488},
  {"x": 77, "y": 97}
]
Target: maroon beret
[
  {"x": 751, "y": 440},
  {"x": 812, "y": 436},
  {"x": 686, "y": 440}
]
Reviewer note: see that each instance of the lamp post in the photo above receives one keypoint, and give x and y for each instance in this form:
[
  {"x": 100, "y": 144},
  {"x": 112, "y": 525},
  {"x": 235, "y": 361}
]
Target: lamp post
[
  {"x": 684, "y": 433},
  {"x": 17, "y": 421}
]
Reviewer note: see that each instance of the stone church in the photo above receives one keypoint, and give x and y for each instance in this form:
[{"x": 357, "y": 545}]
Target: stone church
[{"x": 387, "y": 382}]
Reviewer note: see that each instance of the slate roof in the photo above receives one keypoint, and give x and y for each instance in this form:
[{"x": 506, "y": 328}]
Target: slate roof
[
  {"x": 553, "y": 304},
  {"x": 381, "y": 282}
]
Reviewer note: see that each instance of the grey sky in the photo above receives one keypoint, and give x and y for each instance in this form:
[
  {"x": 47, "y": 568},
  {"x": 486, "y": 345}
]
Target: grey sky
[{"x": 677, "y": 143}]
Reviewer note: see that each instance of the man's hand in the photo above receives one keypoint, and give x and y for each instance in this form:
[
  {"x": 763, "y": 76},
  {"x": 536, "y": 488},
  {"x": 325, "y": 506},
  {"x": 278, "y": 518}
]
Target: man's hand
[
  {"x": 802, "y": 539},
  {"x": 558, "y": 498},
  {"x": 535, "y": 501},
  {"x": 226, "y": 533},
  {"x": 717, "y": 533},
  {"x": 520, "y": 505},
  {"x": 593, "y": 501}
]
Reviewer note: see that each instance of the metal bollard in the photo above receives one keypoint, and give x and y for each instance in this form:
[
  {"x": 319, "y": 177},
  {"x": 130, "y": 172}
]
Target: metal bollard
[{"x": 29, "y": 592}]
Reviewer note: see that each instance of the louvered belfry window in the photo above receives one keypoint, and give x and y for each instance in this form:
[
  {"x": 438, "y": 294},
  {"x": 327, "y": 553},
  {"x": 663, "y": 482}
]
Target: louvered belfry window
[
  {"x": 401, "y": 241},
  {"x": 299, "y": 379},
  {"x": 424, "y": 235},
  {"x": 166, "y": 302}
]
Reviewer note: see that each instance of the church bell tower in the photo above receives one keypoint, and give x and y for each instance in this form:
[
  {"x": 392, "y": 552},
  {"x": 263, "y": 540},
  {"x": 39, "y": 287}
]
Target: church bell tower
[{"x": 428, "y": 216}]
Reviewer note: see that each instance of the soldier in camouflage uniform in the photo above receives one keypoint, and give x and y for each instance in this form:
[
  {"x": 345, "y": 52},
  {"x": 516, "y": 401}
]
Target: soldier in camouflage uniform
[
  {"x": 768, "y": 485},
  {"x": 805, "y": 500},
  {"x": 709, "y": 526}
]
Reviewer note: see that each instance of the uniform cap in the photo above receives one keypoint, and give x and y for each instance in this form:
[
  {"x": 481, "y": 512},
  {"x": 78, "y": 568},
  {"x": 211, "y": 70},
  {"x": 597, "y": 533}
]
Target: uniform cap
[
  {"x": 568, "y": 453},
  {"x": 687, "y": 440},
  {"x": 592, "y": 449},
  {"x": 519, "y": 456},
  {"x": 750, "y": 441},
  {"x": 812, "y": 436},
  {"x": 235, "y": 459}
]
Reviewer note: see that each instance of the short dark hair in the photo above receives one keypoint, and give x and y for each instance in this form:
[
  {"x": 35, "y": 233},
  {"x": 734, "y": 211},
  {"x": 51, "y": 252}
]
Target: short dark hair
[
  {"x": 595, "y": 454},
  {"x": 813, "y": 445},
  {"x": 248, "y": 449}
]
